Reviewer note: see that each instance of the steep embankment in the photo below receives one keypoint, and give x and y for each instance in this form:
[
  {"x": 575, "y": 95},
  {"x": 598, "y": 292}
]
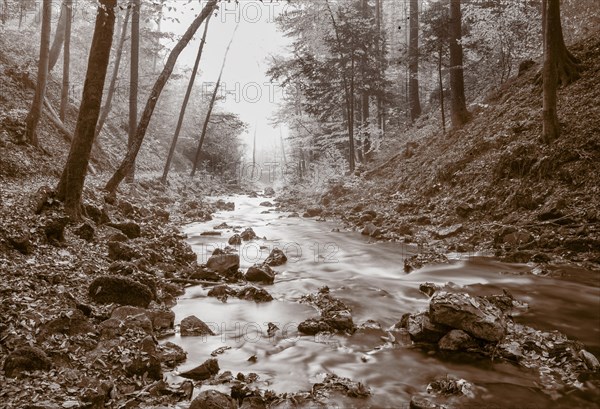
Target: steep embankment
[{"x": 493, "y": 184}]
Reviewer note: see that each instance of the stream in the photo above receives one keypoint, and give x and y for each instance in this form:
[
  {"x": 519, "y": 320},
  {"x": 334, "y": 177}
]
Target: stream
[{"x": 369, "y": 277}]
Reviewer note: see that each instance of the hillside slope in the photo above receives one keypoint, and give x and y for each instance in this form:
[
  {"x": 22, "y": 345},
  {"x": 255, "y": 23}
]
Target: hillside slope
[{"x": 493, "y": 182}]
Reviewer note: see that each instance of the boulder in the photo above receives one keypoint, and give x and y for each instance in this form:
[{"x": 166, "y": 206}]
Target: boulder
[
  {"x": 161, "y": 319},
  {"x": 123, "y": 268},
  {"x": 266, "y": 204},
  {"x": 248, "y": 235},
  {"x": 120, "y": 290},
  {"x": 448, "y": 231},
  {"x": 203, "y": 372},
  {"x": 86, "y": 231},
  {"x": 339, "y": 320},
  {"x": 235, "y": 240},
  {"x": 269, "y": 191},
  {"x": 118, "y": 236},
  {"x": 261, "y": 274},
  {"x": 171, "y": 354},
  {"x": 145, "y": 366},
  {"x": 70, "y": 323},
  {"x": 313, "y": 326},
  {"x": 26, "y": 359},
  {"x": 371, "y": 230},
  {"x": 130, "y": 229},
  {"x": 194, "y": 326},
  {"x": 212, "y": 399},
  {"x": 21, "y": 243},
  {"x": 121, "y": 251},
  {"x": 313, "y": 212},
  {"x": 421, "y": 329},
  {"x": 224, "y": 263},
  {"x": 124, "y": 318},
  {"x": 55, "y": 229},
  {"x": 98, "y": 216},
  {"x": 251, "y": 293},
  {"x": 276, "y": 258},
  {"x": 457, "y": 340},
  {"x": 474, "y": 315}
]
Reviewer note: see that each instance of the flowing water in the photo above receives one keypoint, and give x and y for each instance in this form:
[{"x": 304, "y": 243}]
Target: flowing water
[{"x": 369, "y": 278}]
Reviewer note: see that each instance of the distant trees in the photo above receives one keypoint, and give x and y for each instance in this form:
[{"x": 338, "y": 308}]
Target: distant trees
[
  {"x": 560, "y": 68},
  {"x": 35, "y": 112},
  {"x": 134, "y": 68},
  {"x": 128, "y": 161},
  {"x": 70, "y": 186},
  {"x": 64, "y": 95}
]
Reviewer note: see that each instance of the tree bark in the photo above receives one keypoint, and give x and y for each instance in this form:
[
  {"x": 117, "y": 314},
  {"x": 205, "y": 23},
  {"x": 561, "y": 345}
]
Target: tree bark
[
  {"x": 185, "y": 103},
  {"x": 33, "y": 118},
  {"x": 413, "y": 61},
  {"x": 59, "y": 36},
  {"x": 132, "y": 152},
  {"x": 71, "y": 183},
  {"x": 115, "y": 75},
  {"x": 210, "y": 108},
  {"x": 134, "y": 70},
  {"x": 380, "y": 57},
  {"x": 441, "y": 84},
  {"x": 348, "y": 93},
  {"x": 458, "y": 108},
  {"x": 560, "y": 68},
  {"x": 364, "y": 101},
  {"x": 64, "y": 95}
]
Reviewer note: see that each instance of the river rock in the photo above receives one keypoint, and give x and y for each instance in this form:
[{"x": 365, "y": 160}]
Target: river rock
[
  {"x": 340, "y": 320},
  {"x": 248, "y": 235},
  {"x": 145, "y": 365},
  {"x": 418, "y": 402},
  {"x": 235, "y": 240},
  {"x": 212, "y": 399},
  {"x": 261, "y": 274},
  {"x": 70, "y": 323},
  {"x": 448, "y": 231},
  {"x": 313, "y": 212},
  {"x": 98, "y": 215},
  {"x": 371, "y": 230},
  {"x": 313, "y": 326},
  {"x": 224, "y": 263},
  {"x": 474, "y": 315},
  {"x": 27, "y": 358},
  {"x": 276, "y": 258},
  {"x": 266, "y": 204},
  {"x": 457, "y": 340},
  {"x": 55, "y": 230},
  {"x": 131, "y": 229},
  {"x": 251, "y": 293},
  {"x": 253, "y": 402},
  {"x": 194, "y": 326},
  {"x": 120, "y": 290},
  {"x": 421, "y": 329},
  {"x": 269, "y": 191},
  {"x": 590, "y": 360},
  {"x": 124, "y": 318},
  {"x": 203, "y": 372},
  {"x": 122, "y": 251},
  {"x": 21, "y": 243},
  {"x": 171, "y": 354},
  {"x": 162, "y": 320}
]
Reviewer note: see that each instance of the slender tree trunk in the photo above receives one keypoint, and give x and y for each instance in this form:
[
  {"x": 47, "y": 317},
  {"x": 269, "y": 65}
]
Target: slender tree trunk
[
  {"x": 132, "y": 152},
  {"x": 413, "y": 61},
  {"x": 253, "y": 155},
  {"x": 59, "y": 37},
  {"x": 210, "y": 108},
  {"x": 64, "y": 95},
  {"x": 115, "y": 75},
  {"x": 441, "y": 83},
  {"x": 134, "y": 68},
  {"x": 71, "y": 183},
  {"x": 560, "y": 68},
  {"x": 185, "y": 103},
  {"x": 348, "y": 92},
  {"x": 33, "y": 117},
  {"x": 282, "y": 149},
  {"x": 364, "y": 101},
  {"x": 380, "y": 56},
  {"x": 458, "y": 108}
]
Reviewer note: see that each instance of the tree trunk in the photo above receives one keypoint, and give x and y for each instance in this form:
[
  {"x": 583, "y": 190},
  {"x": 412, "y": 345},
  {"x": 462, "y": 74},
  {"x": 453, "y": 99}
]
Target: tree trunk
[
  {"x": 185, "y": 103},
  {"x": 70, "y": 187},
  {"x": 210, "y": 108},
  {"x": 134, "y": 70},
  {"x": 380, "y": 56},
  {"x": 33, "y": 117},
  {"x": 364, "y": 97},
  {"x": 413, "y": 61},
  {"x": 64, "y": 95},
  {"x": 253, "y": 155},
  {"x": 560, "y": 67},
  {"x": 115, "y": 75},
  {"x": 348, "y": 93},
  {"x": 458, "y": 108},
  {"x": 441, "y": 83},
  {"x": 59, "y": 36},
  {"x": 132, "y": 152}
]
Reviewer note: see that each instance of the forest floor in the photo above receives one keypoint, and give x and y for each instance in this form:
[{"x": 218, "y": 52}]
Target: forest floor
[{"x": 490, "y": 187}]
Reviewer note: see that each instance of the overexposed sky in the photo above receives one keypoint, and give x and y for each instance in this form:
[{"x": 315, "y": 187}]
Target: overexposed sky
[{"x": 249, "y": 93}]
